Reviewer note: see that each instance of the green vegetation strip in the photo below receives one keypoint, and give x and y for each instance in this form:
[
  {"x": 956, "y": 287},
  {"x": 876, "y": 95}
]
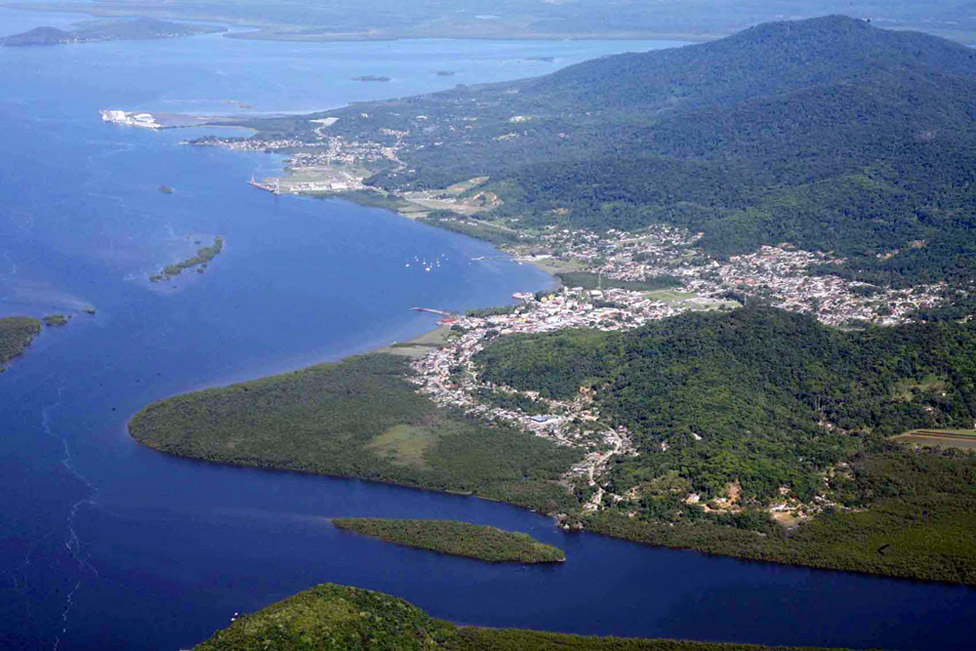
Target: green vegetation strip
[
  {"x": 108, "y": 30},
  {"x": 942, "y": 433},
  {"x": 16, "y": 333},
  {"x": 358, "y": 418},
  {"x": 201, "y": 260},
  {"x": 457, "y": 538},
  {"x": 340, "y": 618},
  {"x": 959, "y": 439}
]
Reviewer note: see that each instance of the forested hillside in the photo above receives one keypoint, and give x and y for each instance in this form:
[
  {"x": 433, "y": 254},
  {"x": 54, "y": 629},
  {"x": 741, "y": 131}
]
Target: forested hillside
[
  {"x": 763, "y": 434},
  {"x": 341, "y": 618},
  {"x": 759, "y": 396},
  {"x": 826, "y": 133}
]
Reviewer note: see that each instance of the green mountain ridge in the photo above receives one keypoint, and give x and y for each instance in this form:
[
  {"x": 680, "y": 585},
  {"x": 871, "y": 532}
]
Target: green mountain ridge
[
  {"x": 768, "y": 59},
  {"x": 825, "y": 133}
]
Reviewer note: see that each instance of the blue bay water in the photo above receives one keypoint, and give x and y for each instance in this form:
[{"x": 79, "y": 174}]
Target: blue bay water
[{"x": 105, "y": 544}]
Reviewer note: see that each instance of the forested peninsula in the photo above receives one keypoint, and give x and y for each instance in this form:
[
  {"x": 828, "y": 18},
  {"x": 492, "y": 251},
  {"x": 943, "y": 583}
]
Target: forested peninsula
[
  {"x": 339, "y": 618},
  {"x": 358, "y": 418},
  {"x": 16, "y": 333},
  {"x": 457, "y": 539}
]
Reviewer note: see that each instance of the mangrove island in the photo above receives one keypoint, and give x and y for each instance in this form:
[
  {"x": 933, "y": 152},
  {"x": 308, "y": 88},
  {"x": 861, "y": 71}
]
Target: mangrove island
[
  {"x": 457, "y": 538},
  {"x": 200, "y": 260}
]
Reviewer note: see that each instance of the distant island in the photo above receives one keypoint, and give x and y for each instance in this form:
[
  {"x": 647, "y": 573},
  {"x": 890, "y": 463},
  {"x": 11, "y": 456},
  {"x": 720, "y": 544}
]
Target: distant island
[
  {"x": 445, "y": 73},
  {"x": 457, "y": 538},
  {"x": 16, "y": 333},
  {"x": 371, "y": 78},
  {"x": 139, "y": 29},
  {"x": 200, "y": 261},
  {"x": 331, "y": 616}
]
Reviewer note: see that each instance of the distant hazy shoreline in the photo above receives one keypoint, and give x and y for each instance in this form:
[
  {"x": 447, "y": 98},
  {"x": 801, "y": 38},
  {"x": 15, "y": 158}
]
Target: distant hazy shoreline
[{"x": 719, "y": 21}]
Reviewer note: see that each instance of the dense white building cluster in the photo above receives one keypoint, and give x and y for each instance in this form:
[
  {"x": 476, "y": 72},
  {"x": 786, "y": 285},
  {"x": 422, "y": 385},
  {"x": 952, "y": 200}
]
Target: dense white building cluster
[
  {"x": 449, "y": 376},
  {"x": 144, "y": 120},
  {"x": 783, "y": 275}
]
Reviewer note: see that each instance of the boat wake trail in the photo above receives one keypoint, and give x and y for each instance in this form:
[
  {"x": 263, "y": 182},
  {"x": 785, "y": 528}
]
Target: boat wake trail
[{"x": 72, "y": 541}]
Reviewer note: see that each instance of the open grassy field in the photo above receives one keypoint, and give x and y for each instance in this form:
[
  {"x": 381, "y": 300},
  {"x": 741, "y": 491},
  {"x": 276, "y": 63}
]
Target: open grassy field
[
  {"x": 406, "y": 445},
  {"x": 554, "y": 266},
  {"x": 670, "y": 295},
  {"x": 421, "y": 344}
]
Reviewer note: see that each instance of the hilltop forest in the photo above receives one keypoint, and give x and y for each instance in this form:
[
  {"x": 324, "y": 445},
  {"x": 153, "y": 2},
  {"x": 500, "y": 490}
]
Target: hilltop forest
[{"x": 758, "y": 395}]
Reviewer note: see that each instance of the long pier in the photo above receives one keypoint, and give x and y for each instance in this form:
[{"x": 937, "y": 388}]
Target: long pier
[
  {"x": 273, "y": 188},
  {"x": 432, "y": 311}
]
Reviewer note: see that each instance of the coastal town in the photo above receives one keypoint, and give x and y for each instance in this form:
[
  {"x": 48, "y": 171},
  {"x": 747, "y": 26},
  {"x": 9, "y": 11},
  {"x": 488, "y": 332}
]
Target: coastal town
[
  {"x": 612, "y": 280},
  {"x": 449, "y": 375},
  {"x": 322, "y": 150},
  {"x": 781, "y": 275},
  {"x": 784, "y": 276}
]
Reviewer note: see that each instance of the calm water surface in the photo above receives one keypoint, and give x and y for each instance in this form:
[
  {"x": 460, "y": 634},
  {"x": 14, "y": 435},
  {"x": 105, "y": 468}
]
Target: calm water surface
[{"x": 104, "y": 544}]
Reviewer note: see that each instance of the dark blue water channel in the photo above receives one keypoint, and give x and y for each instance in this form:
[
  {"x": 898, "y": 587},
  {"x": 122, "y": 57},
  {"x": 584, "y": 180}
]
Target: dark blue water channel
[{"x": 105, "y": 544}]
